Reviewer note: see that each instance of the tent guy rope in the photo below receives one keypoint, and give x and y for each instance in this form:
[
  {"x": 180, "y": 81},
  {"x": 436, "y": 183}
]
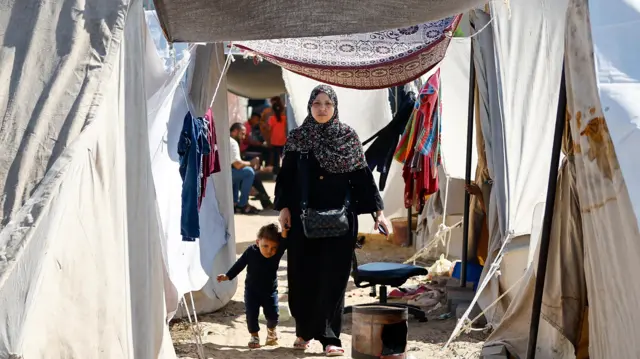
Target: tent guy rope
[
  {"x": 492, "y": 271},
  {"x": 197, "y": 333},
  {"x": 225, "y": 67}
]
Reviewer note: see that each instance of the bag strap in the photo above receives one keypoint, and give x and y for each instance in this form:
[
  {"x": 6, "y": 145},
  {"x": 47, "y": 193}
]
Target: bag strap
[{"x": 303, "y": 170}]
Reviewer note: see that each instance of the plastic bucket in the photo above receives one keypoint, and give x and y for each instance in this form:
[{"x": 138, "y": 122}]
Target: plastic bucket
[{"x": 401, "y": 231}]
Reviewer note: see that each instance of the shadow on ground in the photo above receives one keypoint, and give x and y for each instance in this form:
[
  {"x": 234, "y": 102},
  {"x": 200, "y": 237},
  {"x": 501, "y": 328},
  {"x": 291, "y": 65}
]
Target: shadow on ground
[{"x": 213, "y": 350}]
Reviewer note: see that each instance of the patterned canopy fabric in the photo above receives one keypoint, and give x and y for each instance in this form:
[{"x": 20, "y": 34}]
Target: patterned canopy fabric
[
  {"x": 241, "y": 20},
  {"x": 364, "y": 61}
]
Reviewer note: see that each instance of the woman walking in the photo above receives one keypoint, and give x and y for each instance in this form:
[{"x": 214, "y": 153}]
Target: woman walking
[{"x": 324, "y": 183}]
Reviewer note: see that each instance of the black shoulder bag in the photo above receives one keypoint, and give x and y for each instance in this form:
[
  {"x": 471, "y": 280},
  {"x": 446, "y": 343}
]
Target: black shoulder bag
[{"x": 324, "y": 223}]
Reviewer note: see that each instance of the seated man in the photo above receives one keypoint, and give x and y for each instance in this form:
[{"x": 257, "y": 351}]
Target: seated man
[{"x": 242, "y": 172}]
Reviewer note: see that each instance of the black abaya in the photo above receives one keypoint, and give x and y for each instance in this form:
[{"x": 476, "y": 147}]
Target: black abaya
[{"x": 318, "y": 269}]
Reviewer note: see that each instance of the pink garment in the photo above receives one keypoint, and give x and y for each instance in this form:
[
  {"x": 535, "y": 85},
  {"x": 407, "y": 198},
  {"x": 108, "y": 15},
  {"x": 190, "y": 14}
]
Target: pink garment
[{"x": 210, "y": 162}]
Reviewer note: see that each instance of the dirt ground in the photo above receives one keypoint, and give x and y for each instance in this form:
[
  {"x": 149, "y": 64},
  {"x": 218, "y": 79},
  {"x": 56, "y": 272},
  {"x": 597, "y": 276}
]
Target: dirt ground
[{"x": 225, "y": 335}]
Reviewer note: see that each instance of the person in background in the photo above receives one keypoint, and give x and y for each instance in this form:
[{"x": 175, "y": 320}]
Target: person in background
[
  {"x": 261, "y": 284},
  {"x": 242, "y": 172},
  {"x": 254, "y": 141},
  {"x": 277, "y": 132}
]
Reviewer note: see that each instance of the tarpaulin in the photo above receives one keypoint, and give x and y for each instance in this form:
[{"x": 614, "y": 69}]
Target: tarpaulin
[{"x": 213, "y": 21}]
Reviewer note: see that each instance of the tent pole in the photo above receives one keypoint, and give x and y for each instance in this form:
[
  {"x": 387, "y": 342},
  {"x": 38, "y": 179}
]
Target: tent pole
[
  {"x": 467, "y": 176},
  {"x": 548, "y": 219}
]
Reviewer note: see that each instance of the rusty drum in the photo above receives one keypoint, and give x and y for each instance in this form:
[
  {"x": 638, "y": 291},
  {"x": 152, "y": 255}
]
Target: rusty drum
[{"x": 379, "y": 332}]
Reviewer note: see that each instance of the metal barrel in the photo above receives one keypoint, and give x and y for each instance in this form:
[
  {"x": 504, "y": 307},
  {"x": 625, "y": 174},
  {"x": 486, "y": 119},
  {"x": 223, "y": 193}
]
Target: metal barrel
[{"x": 379, "y": 331}]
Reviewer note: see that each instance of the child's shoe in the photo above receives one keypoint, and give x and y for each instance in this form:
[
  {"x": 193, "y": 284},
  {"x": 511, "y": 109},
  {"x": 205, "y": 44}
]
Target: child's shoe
[
  {"x": 254, "y": 342},
  {"x": 272, "y": 337}
]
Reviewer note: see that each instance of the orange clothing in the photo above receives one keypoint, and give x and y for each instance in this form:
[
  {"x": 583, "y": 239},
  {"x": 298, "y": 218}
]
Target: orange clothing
[{"x": 278, "y": 130}]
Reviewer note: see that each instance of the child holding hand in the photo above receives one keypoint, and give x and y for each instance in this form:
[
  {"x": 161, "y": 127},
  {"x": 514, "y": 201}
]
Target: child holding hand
[{"x": 261, "y": 284}]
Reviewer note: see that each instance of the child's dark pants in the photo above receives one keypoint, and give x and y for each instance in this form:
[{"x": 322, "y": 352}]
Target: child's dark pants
[{"x": 269, "y": 303}]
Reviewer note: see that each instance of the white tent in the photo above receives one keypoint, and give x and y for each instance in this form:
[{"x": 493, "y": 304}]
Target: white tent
[
  {"x": 81, "y": 225},
  {"x": 81, "y": 266}
]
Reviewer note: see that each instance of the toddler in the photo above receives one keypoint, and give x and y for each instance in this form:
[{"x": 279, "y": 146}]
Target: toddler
[{"x": 261, "y": 285}]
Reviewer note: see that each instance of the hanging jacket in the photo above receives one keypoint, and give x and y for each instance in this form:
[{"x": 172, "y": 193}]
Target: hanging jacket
[
  {"x": 192, "y": 146},
  {"x": 380, "y": 154}
]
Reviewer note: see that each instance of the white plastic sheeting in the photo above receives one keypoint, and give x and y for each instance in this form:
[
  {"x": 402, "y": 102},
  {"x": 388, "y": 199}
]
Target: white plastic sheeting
[
  {"x": 606, "y": 239},
  {"x": 81, "y": 269},
  {"x": 190, "y": 264},
  {"x": 454, "y": 83},
  {"x": 606, "y": 182},
  {"x": 616, "y": 46},
  {"x": 367, "y": 111},
  {"x": 518, "y": 79},
  {"x": 529, "y": 45}
]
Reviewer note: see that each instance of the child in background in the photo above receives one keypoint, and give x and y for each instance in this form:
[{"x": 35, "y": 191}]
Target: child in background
[{"x": 261, "y": 285}]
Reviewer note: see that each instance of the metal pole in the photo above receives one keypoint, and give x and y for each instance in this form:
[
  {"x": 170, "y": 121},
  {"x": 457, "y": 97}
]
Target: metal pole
[
  {"x": 548, "y": 219},
  {"x": 410, "y": 214},
  {"x": 467, "y": 177}
]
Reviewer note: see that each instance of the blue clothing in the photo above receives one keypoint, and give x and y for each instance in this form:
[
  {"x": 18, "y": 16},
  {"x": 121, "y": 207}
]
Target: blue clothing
[
  {"x": 269, "y": 304},
  {"x": 242, "y": 180},
  {"x": 193, "y": 144}
]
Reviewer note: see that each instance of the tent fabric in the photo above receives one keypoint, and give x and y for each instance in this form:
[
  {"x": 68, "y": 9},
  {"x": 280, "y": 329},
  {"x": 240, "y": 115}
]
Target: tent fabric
[
  {"x": 250, "y": 80},
  {"x": 367, "y": 112},
  {"x": 237, "y": 20},
  {"x": 527, "y": 67},
  {"x": 524, "y": 59},
  {"x": 618, "y": 76},
  {"x": 490, "y": 127},
  {"x": 454, "y": 86},
  {"x": 189, "y": 264},
  {"x": 364, "y": 61},
  {"x": 564, "y": 297},
  {"x": 610, "y": 230},
  {"x": 203, "y": 75},
  {"x": 82, "y": 233},
  {"x": 602, "y": 239}
]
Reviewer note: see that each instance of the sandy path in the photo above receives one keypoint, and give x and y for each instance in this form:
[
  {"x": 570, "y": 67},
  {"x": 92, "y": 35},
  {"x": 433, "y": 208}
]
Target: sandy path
[{"x": 225, "y": 335}]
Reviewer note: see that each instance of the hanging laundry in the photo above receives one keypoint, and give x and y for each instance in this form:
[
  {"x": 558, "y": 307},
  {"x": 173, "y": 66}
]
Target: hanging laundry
[
  {"x": 419, "y": 146},
  {"x": 380, "y": 153},
  {"x": 411, "y": 164},
  {"x": 192, "y": 146},
  {"x": 428, "y": 142},
  {"x": 407, "y": 139},
  {"x": 210, "y": 161}
]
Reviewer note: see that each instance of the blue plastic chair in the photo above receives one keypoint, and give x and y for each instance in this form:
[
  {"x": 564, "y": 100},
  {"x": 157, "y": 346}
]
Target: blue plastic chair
[{"x": 385, "y": 274}]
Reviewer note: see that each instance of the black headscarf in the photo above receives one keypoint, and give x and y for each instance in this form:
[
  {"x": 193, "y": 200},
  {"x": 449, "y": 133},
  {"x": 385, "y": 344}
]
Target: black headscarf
[{"x": 334, "y": 144}]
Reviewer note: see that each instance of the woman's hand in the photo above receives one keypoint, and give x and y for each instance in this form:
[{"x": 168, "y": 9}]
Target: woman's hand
[
  {"x": 285, "y": 219},
  {"x": 381, "y": 221}
]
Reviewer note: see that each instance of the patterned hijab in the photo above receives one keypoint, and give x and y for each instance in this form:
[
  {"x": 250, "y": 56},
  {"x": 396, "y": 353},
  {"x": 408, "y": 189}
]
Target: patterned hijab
[{"x": 334, "y": 144}]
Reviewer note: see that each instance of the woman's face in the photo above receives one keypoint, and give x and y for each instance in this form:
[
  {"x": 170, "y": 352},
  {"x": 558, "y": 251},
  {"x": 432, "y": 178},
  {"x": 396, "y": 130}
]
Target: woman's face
[{"x": 322, "y": 108}]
